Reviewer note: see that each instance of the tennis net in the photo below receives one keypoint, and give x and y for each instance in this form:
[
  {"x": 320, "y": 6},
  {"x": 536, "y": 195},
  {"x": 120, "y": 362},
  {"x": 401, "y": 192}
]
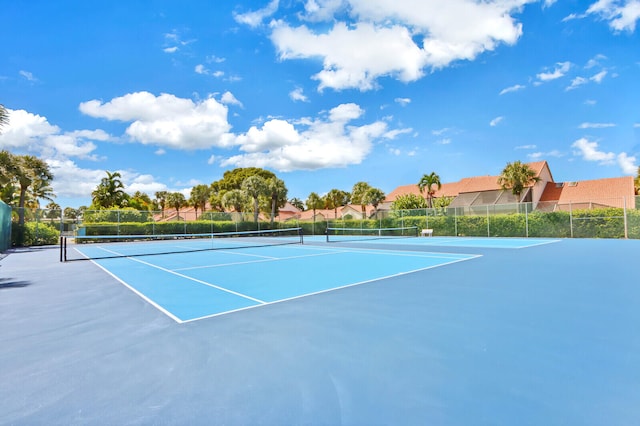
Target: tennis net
[
  {"x": 357, "y": 234},
  {"x": 96, "y": 247}
]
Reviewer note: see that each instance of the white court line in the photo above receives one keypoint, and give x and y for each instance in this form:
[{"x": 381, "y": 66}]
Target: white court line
[
  {"x": 271, "y": 259},
  {"x": 226, "y": 290},
  {"x": 330, "y": 289}
]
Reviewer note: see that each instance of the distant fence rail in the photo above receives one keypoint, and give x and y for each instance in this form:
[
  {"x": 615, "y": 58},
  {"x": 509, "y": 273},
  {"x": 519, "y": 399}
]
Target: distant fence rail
[{"x": 602, "y": 218}]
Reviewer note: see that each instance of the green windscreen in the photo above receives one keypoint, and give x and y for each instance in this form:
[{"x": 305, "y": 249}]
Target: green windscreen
[{"x": 5, "y": 227}]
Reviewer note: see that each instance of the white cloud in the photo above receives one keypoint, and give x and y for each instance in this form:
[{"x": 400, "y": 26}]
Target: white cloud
[
  {"x": 167, "y": 120},
  {"x": 200, "y": 69},
  {"x": 403, "y": 101},
  {"x": 229, "y": 99},
  {"x": 536, "y": 156},
  {"x": 596, "y": 125},
  {"x": 621, "y": 14},
  {"x": 511, "y": 89},
  {"x": 526, "y": 147},
  {"x": 28, "y": 76},
  {"x": 333, "y": 141},
  {"x": 628, "y": 164},
  {"x": 253, "y": 19},
  {"x": 387, "y": 38},
  {"x": 298, "y": 95},
  {"x": 589, "y": 151},
  {"x": 577, "y": 82},
  {"x": 496, "y": 121},
  {"x": 34, "y": 134},
  {"x": 558, "y": 71},
  {"x": 581, "y": 81},
  {"x": 172, "y": 49},
  {"x": 72, "y": 181}
]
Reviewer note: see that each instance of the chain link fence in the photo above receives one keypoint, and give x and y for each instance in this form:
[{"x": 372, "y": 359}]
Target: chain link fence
[{"x": 599, "y": 218}]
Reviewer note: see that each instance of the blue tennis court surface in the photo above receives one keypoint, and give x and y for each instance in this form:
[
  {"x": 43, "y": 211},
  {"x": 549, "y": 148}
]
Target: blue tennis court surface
[
  {"x": 419, "y": 331},
  {"x": 478, "y": 242},
  {"x": 190, "y": 286}
]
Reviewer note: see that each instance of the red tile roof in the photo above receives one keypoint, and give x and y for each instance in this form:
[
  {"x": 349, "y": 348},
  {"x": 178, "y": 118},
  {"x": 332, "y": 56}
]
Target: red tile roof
[
  {"x": 470, "y": 184},
  {"x": 598, "y": 191}
]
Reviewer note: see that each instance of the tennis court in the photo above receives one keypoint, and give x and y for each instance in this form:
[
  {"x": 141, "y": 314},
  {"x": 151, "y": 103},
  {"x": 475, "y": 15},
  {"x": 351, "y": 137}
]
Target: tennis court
[
  {"x": 206, "y": 280},
  {"x": 422, "y": 330}
]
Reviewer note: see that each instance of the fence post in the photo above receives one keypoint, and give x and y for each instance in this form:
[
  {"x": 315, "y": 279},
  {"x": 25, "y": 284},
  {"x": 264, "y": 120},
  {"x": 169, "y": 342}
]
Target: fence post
[
  {"x": 526, "y": 220},
  {"x": 624, "y": 210},
  {"x": 488, "y": 227},
  {"x": 571, "y": 219}
]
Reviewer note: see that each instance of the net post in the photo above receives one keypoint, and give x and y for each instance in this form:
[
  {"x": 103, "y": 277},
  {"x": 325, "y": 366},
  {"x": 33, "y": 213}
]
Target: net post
[
  {"x": 61, "y": 239},
  {"x": 301, "y": 235}
]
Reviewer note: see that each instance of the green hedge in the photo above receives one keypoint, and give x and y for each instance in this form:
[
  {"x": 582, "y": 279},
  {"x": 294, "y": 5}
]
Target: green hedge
[
  {"x": 598, "y": 223},
  {"x": 34, "y": 234}
]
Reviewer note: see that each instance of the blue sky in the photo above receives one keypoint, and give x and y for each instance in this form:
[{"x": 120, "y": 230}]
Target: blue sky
[{"x": 325, "y": 93}]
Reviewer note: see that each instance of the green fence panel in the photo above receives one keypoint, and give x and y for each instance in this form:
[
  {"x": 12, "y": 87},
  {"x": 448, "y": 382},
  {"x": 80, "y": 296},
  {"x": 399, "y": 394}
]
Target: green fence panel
[{"x": 5, "y": 227}]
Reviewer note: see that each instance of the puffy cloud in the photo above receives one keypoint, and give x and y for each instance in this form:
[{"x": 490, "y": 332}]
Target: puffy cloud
[
  {"x": 559, "y": 70},
  {"x": 298, "y": 95},
  {"x": 34, "y": 134},
  {"x": 628, "y": 164},
  {"x": 255, "y": 18},
  {"x": 621, "y": 14},
  {"x": 332, "y": 141},
  {"x": 589, "y": 151},
  {"x": 167, "y": 120},
  {"x": 387, "y": 38}
]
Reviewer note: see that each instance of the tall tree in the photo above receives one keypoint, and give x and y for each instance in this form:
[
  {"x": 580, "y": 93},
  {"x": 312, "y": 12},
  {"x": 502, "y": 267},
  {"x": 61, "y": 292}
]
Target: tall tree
[
  {"x": 255, "y": 186},
  {"x": 408, "y": 202},
  {"x": 358, "y": 195},
  {"x": 177, "y": 201},
  {"x": 517, "y": 176},
  {"x": 140, "y": 201},
  {"x": 110, "y": 192},
  {"x": 314, "y": 202},
  {"x": 336, "y": 198},
  {"x": 374, "y": 196},
  {"x": 199, "y": 197},
  {"x": 161, "y": 197},
  {"x": 30, "y": 172},
  {"x": 431, "y": 183},
  {"x": 636, "y": 182},
  {"x": 278, "y": 194},
  {"x": 236, "y": 199},
  {"x": 297, "y": 203},
  {"x": 233, "y": 179}
]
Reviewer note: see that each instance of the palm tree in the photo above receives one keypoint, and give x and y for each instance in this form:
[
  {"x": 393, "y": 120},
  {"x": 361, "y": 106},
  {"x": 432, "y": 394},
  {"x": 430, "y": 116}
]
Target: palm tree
[
  {"x": 199, "y": 197},
  {"x": 235, "y": 198},
  {"x": 428, "y": 182},
  {"x": 278, "y": 194},
  {"x": 314, "y": 202},
  {"x": 176, "y": 200},
  {"x": 255, "y": 186},
  {"x": 374, "y": 196},
  {"x": 30, "y": 172},
  {"x": 4, "y": 117},
  {"x": 636, "y": 182},
  {"x": 358, "y": 195},
  {"x": 336, "y": 198},
  {"x": 110, "y": 192},
  {"x": 161, "y": 197},
  {"x": 517, "y": 176}
]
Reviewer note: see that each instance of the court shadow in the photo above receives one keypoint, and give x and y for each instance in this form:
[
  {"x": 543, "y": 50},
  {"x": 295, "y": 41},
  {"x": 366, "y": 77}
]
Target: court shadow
[{"x": 10, "y": 283}]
